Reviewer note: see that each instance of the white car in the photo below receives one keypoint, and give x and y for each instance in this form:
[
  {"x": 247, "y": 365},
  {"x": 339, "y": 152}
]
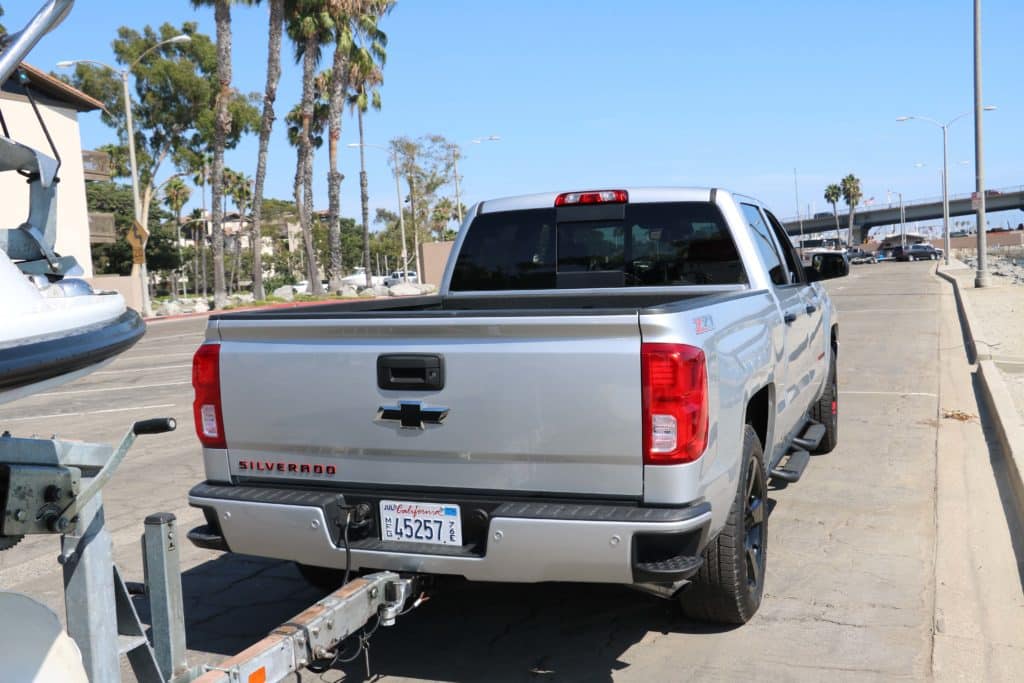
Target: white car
[{"x": 396, "y": 277}]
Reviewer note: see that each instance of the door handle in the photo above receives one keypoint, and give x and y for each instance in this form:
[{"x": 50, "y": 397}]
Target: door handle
[
  {"x": 789, "y": 318},
  {"x": 811, "y": 308}
]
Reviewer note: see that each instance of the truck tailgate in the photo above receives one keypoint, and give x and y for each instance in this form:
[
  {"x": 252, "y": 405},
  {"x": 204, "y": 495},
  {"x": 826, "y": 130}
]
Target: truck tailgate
[{"x": 534, "y": 403}]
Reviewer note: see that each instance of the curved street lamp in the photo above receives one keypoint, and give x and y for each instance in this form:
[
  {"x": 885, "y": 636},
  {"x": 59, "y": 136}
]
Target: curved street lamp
[
  {"x": 455, "y": 168},
  {"x": 945, "y": 168},
  {"x": 130, "y": 129}
]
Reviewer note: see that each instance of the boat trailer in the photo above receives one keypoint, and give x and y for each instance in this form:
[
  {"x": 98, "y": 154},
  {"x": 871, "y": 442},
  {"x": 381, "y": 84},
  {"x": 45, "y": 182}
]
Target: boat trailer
[{"x": 54, "y": 486}]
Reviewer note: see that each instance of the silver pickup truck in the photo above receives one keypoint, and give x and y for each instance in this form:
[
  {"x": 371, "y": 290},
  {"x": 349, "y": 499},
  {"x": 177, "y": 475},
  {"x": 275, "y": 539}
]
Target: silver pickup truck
[{"x": 600, "y": 392}]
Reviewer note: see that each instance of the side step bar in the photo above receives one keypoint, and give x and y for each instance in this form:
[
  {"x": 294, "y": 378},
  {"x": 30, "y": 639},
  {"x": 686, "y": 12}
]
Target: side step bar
[
  {"x": 811, "y": 437},
  {"x": 796, "y": 462}
]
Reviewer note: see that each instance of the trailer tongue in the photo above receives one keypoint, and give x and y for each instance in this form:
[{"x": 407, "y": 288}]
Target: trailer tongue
[{"x": 50, "y": 486}]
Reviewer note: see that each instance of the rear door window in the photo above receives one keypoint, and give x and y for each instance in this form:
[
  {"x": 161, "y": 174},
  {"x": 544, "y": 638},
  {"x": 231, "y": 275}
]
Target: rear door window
[
  {"x": 643, "y": 245},
  {"x": 765, "y": 245}
]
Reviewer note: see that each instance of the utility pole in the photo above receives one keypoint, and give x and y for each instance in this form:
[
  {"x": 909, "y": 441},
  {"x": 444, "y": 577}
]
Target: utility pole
[{"x": 981, "y": 278}]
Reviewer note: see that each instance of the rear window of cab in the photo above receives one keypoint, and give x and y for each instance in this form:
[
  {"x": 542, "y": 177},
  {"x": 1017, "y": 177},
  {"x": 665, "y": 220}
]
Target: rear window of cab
[{"x": 644, "y": 245}]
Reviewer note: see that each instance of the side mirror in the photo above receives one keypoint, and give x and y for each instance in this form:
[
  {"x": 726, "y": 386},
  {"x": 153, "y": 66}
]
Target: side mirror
[{"x": 828, "y": 266}]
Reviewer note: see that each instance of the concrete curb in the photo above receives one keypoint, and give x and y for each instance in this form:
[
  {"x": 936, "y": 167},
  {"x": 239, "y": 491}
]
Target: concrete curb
[
  {"x": 966, "y": 314},
  {"x": 998, "y": 401},
  {"x": 1008, "y": 427}
]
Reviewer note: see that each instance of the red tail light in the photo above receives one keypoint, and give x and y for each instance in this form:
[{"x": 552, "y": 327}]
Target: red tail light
[
  {"x": 206, "y": 406},
  {"x": 592, "y": 197},
  {"x": 675, "y": 403}
]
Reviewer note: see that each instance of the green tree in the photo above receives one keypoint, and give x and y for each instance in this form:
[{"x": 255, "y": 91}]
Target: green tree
[
  {"x": 365, "y": 76},
  {"x": 310, "y": 25},
  {"x": 116, "y": 258},
  {"x": 238, "y": 187},
  {"x": 219, "y": 139},
  {"x": 176, "y": 195},
  {"x": 275, "y": 30},
  {"x": 176, "y": 87},
  {"x": 426, "y": 164},
  {"x": 3, "y": 30},
  {"x": 353, "y": 23},
  {"x": 832, "y": 195},
  {"x": 851, "y": 195}
]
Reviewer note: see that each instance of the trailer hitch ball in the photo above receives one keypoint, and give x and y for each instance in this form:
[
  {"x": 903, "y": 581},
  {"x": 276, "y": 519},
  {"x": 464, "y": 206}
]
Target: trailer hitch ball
[{"x": 395, "y": 594}]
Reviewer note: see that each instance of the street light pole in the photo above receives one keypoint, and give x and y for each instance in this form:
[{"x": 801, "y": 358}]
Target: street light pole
[
  {"x": 945, "y": 169},
  {"x": 401, "y": 218},
  {"x": 458, "y": 195},
  {"x": 981, "y": 278},
  {"x": 147, "y": 309}
]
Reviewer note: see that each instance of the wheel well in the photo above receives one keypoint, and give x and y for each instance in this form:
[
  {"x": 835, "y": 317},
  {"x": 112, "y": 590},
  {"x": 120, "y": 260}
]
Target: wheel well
[
  {"x": 758, "y": 410},
  {"x": 835, "y": 336}
]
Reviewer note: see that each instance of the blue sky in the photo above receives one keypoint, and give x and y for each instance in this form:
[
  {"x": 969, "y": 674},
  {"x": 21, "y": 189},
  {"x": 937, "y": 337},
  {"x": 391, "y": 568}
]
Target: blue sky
[{"x": 601, "y": 94}]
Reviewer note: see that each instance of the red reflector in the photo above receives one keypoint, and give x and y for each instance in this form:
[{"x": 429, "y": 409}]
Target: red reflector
[
  {"x": 592, "y": 197},
  {"x": 675, "y": 403},
  {"x": 206, "y": 407}
]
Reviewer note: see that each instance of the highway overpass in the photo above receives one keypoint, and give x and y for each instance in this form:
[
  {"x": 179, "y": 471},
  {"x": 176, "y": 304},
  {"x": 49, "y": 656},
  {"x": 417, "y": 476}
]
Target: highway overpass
[{"x": 919, "y": 210}]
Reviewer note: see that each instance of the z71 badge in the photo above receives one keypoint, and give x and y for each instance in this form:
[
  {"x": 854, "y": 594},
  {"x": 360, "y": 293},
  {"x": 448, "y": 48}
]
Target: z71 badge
[{"x": 704, "y": 324}]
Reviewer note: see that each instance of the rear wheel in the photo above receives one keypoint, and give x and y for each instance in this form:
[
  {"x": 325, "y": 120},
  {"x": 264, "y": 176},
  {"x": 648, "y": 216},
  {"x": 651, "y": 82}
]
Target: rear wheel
[
  {"x": 729, "y": 586},
  {"x": 826, "y": 409}
]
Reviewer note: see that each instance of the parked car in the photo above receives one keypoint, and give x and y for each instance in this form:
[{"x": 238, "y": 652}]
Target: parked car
[
  {"x": 858, "y": 255},
  {"x": 884, "y": 254},
  {"x": 599, "y": 393},
  {"x": 396, "y": 277},
  {"x": 917, "y": 252}
]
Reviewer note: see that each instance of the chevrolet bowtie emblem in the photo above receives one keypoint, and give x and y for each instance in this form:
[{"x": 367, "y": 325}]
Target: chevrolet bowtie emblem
[{"x": 411, "y": 414}]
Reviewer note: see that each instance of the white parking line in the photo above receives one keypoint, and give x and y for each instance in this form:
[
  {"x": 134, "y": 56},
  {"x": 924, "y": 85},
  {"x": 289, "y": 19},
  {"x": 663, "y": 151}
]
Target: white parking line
[
  {"x": 87, "y": 412},
  {"x": 150, "y": 340},
  {"x": 844, "y": 311},
  {"x": 889, "y": 393},
  {"x": 156, "y": 355},
  {"x": 155, "y": 367},
  {"x": 96, "y": 391}
]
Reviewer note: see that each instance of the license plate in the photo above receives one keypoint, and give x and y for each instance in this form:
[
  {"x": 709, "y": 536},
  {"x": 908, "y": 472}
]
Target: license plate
[{"x": 429, "y": 523}]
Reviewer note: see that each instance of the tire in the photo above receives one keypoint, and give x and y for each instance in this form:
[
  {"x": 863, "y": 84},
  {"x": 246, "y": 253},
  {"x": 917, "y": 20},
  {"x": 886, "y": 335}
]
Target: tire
[
  {"x": 910, "y": 258},
  {"x": 729, "y": 586},
  {"x": 826, "y": 409},
  {"x": 324, "y": 578}
]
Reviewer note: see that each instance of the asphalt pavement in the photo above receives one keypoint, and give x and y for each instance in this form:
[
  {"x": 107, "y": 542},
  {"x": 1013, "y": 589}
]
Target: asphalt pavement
[{"x": 894, "y": 556}]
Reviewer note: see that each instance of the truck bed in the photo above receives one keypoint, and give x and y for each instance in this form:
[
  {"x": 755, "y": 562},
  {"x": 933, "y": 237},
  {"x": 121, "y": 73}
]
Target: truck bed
[{"x": 584, "y": 303}]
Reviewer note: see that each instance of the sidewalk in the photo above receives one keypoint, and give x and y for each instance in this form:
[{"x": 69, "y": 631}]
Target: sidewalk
[
  {"x": 993, "y": 325},
  {"x": 996, "y": 319}
]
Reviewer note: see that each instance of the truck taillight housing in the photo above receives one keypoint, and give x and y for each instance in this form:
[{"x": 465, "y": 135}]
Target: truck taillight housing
[
  {"x": 206, "y": 406},
  {"x": 674, "y": 383}
]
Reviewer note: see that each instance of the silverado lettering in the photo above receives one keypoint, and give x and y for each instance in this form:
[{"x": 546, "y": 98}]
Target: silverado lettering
[{"x": 281, "y": 466}]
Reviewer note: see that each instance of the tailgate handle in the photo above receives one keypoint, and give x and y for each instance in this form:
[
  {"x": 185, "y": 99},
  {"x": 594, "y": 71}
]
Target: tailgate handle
[{"x": 410, "y": 372}]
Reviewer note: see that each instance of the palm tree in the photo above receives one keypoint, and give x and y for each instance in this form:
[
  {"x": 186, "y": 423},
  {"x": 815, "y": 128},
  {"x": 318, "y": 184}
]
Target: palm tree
[
  {"x": 176, "y": 195},
  {"x": 266, "y": 126},
  {"x": 852, "y": 195},
  {"x": 832, "y": 195},
  {"x": 238, "y": 186},
  {"x": 315, "y": 139},
  {"x": 222, "y": 126},
  {"x": 200, "y": 171},
  {"x": 310, "y": 26},
  {"x": 364, "y": 80}
]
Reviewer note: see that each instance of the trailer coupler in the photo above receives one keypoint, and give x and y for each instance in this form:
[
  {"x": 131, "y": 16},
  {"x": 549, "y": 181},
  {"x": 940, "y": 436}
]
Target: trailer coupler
[{"x": 316, "y": 633}]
